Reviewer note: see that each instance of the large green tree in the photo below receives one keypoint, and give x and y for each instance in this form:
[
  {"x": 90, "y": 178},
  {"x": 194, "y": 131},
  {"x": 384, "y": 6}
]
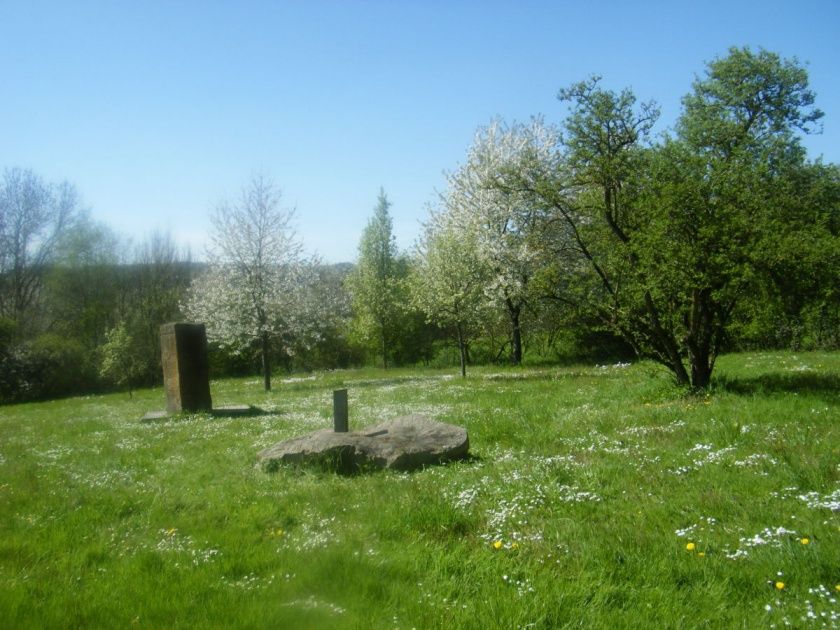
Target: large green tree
[
  {"x": 674, "y": 234},
  {"x": 714, "y": 197}
]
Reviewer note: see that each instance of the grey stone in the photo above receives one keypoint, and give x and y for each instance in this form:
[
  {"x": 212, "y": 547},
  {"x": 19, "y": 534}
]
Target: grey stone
[{"x": 406, "y": 443}]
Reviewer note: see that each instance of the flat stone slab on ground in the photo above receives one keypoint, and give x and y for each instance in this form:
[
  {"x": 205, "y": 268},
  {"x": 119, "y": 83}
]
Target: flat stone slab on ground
[
  {"x": 406, "y": 443},
  {"x": 151, "y": 416},
  {"x": 225, "y": 411}
]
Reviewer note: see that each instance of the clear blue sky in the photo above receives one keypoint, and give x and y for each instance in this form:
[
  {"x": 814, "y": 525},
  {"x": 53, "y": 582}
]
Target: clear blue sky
[{"x": 156, "y": 110}]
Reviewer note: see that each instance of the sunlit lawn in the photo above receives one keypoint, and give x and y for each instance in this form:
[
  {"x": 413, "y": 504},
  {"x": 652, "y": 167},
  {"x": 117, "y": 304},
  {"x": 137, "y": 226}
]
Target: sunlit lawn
[{"x": 597, "y": 497}]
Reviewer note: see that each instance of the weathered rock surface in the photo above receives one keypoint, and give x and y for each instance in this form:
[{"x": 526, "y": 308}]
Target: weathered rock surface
[{"x": 406, "y": 443}]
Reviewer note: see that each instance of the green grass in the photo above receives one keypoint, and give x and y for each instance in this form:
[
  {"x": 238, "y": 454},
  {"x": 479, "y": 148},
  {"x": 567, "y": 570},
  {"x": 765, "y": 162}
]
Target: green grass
[{"x": 590, "y": 480}]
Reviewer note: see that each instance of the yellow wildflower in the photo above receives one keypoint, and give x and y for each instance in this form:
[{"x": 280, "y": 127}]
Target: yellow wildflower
[
  {"x": 701, "y": 554},
  {"x": 497, "y": 544},
  {"x": 514, "y": 545},
  {"x": 690, "y": 546},
  {"x": 780, "y": 585},
  {"x": 805, "y": 541}
]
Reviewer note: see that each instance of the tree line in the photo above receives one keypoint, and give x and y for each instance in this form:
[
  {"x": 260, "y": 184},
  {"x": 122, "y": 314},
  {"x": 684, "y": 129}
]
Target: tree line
[
  {"x": 68, "y": 284},
  {"x": 593, "y": 236}
]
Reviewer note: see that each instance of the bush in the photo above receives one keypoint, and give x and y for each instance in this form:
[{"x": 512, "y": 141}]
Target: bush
[{"x": 50, "y": 366}]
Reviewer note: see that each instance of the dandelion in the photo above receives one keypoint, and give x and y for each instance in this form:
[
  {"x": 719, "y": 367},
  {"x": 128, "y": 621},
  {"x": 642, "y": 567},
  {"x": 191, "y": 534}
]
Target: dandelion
[
  {"x": 837, "y": 588},
  {"x": 702, "y": 554},
  {"x": 497, "y": 544},
  {"x": 780, "y": 585},
  {"x": 690, "y": 546},
  {"x": 514, "y": 545},
  {"x": 805, "y": 541}
]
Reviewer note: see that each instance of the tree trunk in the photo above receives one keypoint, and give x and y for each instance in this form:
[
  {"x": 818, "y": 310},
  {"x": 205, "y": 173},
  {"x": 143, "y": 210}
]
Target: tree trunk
[
  {"x": 266, "y": 362},
  {"x": 516, "y": 333},
  {"x": 701, "y": 327},
  {"x": 701, "y": 372},
  {"x": 462, "y": 348},
  {"x": 384, "y": 350},
  {"x": 667, "y": 345},
  {"x": 680, "y": 373}
]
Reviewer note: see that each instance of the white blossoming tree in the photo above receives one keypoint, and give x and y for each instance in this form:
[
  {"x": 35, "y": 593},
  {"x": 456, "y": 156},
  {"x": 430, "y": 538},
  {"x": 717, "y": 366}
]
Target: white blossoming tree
[
  {"x": 448, "y": 280},
  {"x": 510, "y": 230},
  {"x": 257, "y": 292}
]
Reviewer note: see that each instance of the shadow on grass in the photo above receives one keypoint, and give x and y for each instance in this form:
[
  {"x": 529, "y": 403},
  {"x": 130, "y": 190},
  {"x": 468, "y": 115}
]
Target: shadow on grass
[
  {"x": 812, "y": 383},
  {"x": 238, "y": 411}
]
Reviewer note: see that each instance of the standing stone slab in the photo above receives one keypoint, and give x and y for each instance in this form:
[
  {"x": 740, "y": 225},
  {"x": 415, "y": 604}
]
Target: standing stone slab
[{"x": 185, "y": 369}]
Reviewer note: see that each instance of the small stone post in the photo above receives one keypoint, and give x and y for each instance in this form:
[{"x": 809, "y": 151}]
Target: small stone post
[
  {"x": 185, "y": 369},
  {"x": 340, "y": 415}
]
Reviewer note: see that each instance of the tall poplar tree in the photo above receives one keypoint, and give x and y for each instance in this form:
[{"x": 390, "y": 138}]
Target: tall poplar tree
[{"x": 374, "y": 283}]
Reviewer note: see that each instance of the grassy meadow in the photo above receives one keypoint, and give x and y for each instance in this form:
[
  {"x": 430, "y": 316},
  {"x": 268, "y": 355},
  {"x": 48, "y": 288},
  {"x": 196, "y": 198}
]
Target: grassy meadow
[{"x": 597, "y": 496}]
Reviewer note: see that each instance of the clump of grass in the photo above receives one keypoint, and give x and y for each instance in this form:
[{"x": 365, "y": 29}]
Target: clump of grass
[{"x": 596, "y": 495}]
